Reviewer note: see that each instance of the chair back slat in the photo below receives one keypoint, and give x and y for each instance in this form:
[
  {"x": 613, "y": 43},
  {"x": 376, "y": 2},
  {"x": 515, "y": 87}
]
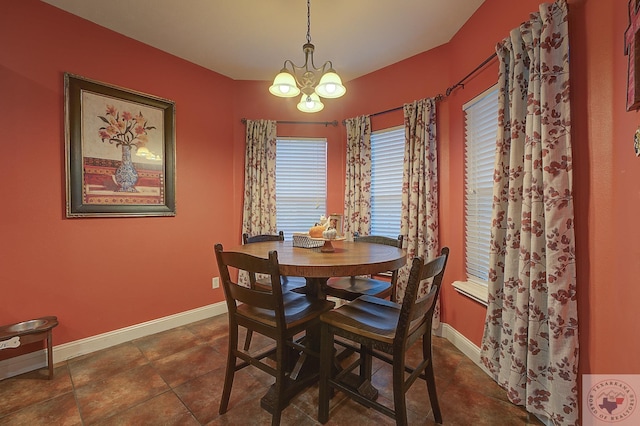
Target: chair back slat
[
  {"x": 246, "y": 239},
  {"x": 415, "y": 313},
  {"x": 259, "y": 299},
  {"x": 235, "y": 293},
  {"x": 393, "y": 242},
  {"x": 377, "y": 239}
]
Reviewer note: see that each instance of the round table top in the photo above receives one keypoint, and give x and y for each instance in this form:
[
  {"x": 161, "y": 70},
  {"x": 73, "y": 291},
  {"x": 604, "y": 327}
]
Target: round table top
[{"x": 348, "y": 259}]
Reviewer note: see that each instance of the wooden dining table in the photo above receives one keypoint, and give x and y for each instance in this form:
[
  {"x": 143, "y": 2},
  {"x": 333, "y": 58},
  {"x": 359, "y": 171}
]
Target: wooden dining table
[
  {"x": 317, "y": 266},
  {"x": 347, "y": 259}
]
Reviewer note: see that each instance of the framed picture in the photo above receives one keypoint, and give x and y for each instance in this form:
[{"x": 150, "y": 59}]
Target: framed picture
[
  {"x": 632, "y": 50},
  {"x": 120, "y": 151},
  {"x": 335, "y": 221}
]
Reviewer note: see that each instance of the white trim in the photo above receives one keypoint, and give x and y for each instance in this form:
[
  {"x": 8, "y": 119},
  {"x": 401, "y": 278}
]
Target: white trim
[
  {"x": 464, "y": 345},
  {"x": 35, "y": 360},
  {"x": 473, "y": 290}
]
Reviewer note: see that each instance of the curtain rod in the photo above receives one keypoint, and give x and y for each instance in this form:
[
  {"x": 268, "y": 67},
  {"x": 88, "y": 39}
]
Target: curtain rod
[
  {"x": 325, "y": 123},
  {"x": 440, "y": 96},
  {"x": 475, "y": 70}
]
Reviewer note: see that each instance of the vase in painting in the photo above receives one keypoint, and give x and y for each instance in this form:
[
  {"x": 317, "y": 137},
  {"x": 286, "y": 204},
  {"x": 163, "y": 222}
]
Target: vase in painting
[{"x": 126, "y": 174}]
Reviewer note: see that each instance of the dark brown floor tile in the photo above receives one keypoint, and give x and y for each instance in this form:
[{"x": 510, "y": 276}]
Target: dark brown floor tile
[
  {"x": 166, "y": 343},
  {"x": 470, "y": 375},
  {"x": 102, "y": 399},
  {"x": 210, "y": 329},
  {"x": 462, "y": 406},
  {"x": 349, "y": 412},
  {"x": 33, "y": 387},
  {"x": 441, "y": 342},
  {"x": 202, "y": 395},
  {"x": 121, "y": 386},
  {"x": 308, "y": 401},
  {"x": 249, "y": 413},
  {"x": 417, "y": 396},
  {"x": 60, "y": 411},
  {"x": 258, "y": 342},
  {"x": 183, "y": 366},
  {"x": 105, "y": 363},
  {"x": 445, "y": 360},
  {"x": 164, "y": 409}
]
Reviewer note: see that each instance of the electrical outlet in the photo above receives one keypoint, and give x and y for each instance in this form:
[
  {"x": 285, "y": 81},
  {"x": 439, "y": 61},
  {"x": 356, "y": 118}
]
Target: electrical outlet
[{"x": 215, "y": 282}]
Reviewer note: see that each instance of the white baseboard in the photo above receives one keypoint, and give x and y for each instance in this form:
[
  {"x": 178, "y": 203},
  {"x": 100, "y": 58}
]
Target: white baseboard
[
  {"x": 35, "y": 360},
  {"x": 465, "y": 345}
]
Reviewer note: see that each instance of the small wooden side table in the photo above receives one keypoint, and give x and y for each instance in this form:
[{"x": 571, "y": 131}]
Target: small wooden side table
[{"x": 23, "y": 333}]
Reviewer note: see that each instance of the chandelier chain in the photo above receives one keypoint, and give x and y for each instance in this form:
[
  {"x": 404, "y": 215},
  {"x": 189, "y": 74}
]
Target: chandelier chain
[{"x": 308, "y": 21}]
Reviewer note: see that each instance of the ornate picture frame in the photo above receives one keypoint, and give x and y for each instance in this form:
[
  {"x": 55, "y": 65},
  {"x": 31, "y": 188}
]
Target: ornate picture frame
[
  {"x": 120, "y": 151},
  {"x": 632, "y": 50}
]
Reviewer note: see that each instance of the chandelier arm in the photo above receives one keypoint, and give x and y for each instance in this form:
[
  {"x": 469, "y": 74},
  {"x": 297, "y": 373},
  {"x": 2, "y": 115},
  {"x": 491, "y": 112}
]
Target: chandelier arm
[
  {"x": 313, "y": 67},
  {"x": 324, "y": 68},
  {"x": 293, "y": 71}
]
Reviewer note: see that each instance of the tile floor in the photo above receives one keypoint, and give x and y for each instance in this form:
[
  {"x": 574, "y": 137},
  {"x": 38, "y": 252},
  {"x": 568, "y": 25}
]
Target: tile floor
[{"x": 176, "y": 377}]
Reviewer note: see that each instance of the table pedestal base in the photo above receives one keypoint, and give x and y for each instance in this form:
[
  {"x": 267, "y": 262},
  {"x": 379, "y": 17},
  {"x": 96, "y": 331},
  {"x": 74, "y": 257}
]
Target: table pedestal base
[{"x": 327, "y": 247}]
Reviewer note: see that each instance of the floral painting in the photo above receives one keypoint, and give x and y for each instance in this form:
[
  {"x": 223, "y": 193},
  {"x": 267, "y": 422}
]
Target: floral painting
[{"x": 120, "y": 148}]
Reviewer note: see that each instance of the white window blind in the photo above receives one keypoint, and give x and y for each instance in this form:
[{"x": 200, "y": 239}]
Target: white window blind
[
  {"x": 481, "y": 124},
  {"x": 387, "y": 156},
  {"x": 301, "y": 183}
]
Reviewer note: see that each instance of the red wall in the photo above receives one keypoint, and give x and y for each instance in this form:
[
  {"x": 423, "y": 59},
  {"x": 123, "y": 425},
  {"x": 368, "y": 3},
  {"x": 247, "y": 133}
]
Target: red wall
[
  {"x": 99, "y": 275},
  {"x": 102, "y": 274}
]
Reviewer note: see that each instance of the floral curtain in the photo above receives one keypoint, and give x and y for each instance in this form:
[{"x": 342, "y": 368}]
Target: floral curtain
[
  {"x": 530, "y": 343},
  {"x": 357, "y": 191},
  {"x": 259, "y": 206},
  {"x": 419, "y": 218},
  {"x": 259, "y": 209}
]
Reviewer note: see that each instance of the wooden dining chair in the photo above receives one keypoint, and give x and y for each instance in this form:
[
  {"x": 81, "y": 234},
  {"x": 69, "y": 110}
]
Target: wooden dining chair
[
  {"x": 288, "y": 283},
  {"x": 277, "y": 314},
  {"x": 296, "y": 284},
  {"x": 350, "y": 288},
  {"x": 384, "y": 330}
]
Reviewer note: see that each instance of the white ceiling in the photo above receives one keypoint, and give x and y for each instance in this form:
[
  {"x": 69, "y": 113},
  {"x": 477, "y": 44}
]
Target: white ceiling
[{"x": 250, "y": 39}]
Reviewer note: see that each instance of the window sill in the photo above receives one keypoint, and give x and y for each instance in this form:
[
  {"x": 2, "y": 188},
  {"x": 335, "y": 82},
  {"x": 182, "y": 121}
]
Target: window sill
[{"x": 472, "y": 290}]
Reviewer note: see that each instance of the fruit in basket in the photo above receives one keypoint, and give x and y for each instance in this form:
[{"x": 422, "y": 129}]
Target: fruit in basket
[{"x": 316, "y": 231}]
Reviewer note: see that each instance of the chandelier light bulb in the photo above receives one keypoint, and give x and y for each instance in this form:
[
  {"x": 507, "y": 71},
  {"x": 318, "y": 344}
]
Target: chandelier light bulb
[
  {"x": 310, "y": 103},
  {"x": 284, "y": 85},
  {"x": 330, "y": 85}
]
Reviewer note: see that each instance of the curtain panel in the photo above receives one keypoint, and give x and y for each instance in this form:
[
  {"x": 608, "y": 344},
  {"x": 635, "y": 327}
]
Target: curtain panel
[
  {"x": 530, "y": 342},
  {"x": 259, "y": 204},
  {"x": 259, "y": 208},
  {"x": 357, "y": 186},
  {"x": 419, "y": 218}
]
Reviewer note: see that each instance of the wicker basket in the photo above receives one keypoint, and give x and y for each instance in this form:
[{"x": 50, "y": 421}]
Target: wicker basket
[{"x": 302, "y": 239}]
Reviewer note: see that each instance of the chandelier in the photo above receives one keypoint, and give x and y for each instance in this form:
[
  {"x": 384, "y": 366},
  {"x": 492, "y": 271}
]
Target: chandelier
[{"x": 312, "y": 81}]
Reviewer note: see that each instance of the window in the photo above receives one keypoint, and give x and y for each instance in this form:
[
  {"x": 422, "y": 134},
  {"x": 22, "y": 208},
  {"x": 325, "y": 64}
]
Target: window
[
  {"x": 301, "y": 183},
  {"x": 481, "y": 124},
  {"x": 387, "y": 156}
]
